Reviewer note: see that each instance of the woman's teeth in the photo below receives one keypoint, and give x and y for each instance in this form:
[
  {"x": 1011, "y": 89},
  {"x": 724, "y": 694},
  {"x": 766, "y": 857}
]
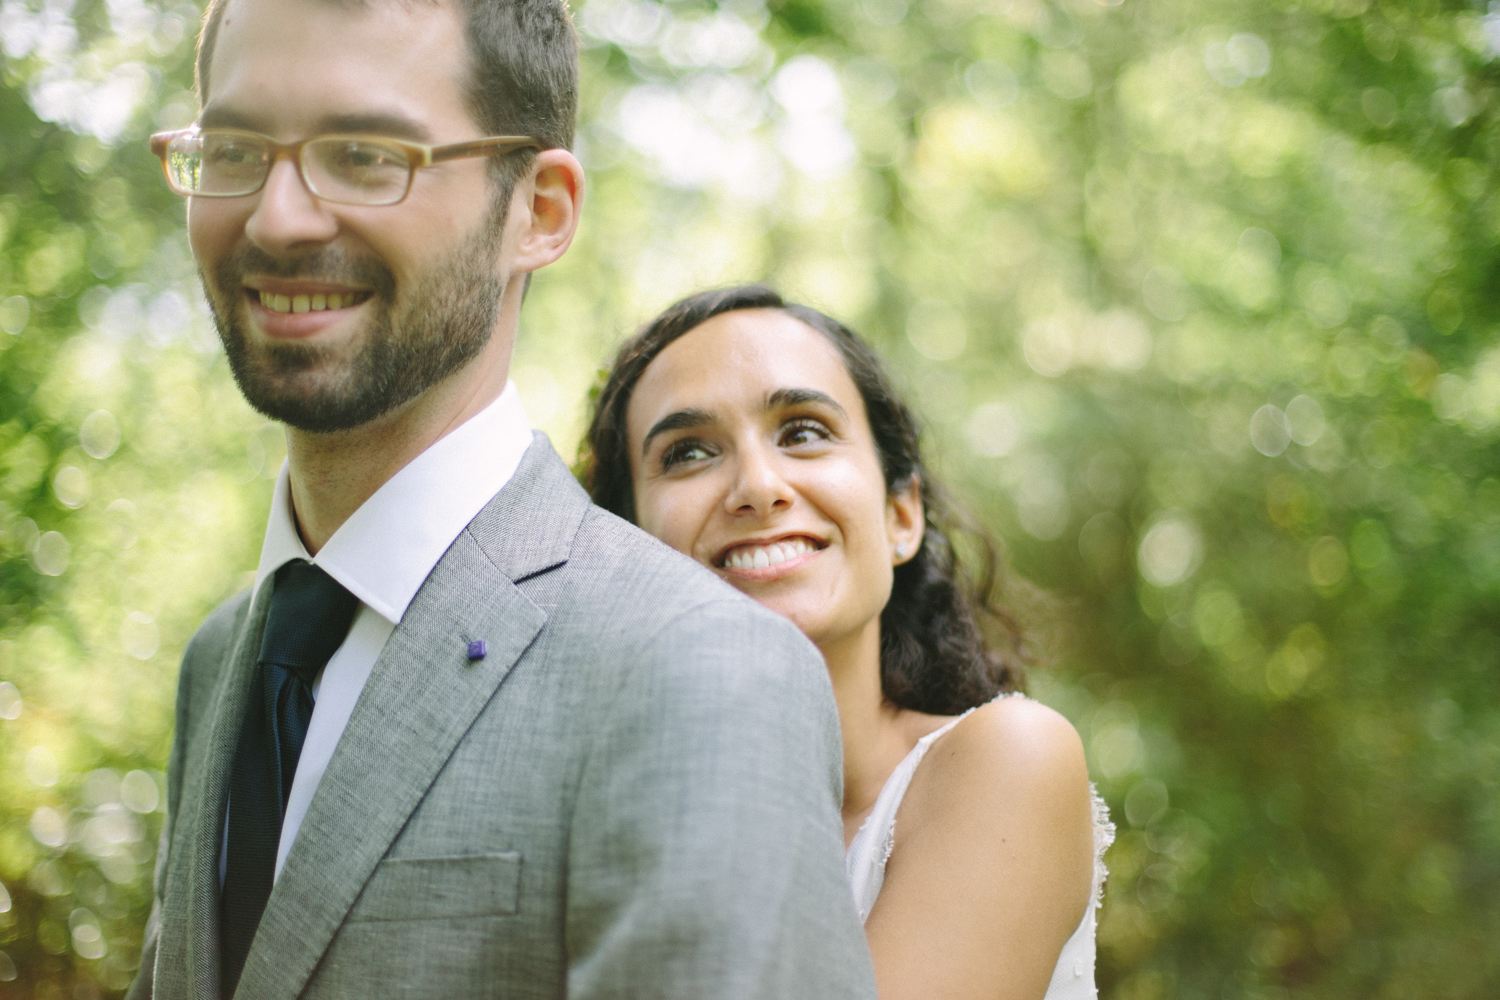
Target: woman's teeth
[
  {"x": 310, "y": 303},
  {"x": 761, "y": 556}
]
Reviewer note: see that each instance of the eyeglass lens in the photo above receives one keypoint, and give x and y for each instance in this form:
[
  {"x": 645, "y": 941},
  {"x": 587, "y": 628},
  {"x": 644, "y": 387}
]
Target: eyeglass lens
[{"x": 225, "y": 164}]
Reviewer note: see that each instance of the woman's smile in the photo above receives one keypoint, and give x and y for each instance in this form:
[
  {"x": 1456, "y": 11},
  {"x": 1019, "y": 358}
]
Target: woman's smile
[{"x": 763, "y": 561}]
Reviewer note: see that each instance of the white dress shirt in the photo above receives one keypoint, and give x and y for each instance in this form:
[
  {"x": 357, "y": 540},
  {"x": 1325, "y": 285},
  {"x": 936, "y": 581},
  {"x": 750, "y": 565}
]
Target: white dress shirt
[{"x": 382, "y": 555}]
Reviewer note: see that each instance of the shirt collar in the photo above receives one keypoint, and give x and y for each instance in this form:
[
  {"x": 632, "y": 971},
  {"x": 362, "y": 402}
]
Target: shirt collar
[{"x": 387, "y": 548}]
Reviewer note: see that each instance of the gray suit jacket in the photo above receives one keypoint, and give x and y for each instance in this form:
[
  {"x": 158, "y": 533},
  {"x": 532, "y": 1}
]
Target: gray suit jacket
[{"x": 634, "y": 794}]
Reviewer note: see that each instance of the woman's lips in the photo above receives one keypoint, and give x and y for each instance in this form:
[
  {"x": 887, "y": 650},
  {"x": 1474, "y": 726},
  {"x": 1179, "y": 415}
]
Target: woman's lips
[{"x": 768, "y": 560}]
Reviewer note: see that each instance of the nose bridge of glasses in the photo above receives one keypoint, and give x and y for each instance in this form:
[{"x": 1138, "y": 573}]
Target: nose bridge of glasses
[
  {"x": 271, "y": 152},
  {"x": 292, "y": 154}
]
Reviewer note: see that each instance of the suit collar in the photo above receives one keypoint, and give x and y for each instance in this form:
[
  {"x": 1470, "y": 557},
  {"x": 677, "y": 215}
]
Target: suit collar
[
  {"x": 387, "y": 547},
  {"x": 530, "y": 525}
]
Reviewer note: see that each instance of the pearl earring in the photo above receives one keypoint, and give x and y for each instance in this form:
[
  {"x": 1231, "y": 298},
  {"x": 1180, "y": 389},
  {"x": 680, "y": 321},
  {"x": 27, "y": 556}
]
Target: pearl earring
[{"x": 901, "y": 551}]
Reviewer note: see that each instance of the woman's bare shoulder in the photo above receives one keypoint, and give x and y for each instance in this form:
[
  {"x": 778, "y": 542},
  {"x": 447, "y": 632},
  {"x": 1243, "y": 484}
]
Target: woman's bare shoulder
[
  {"x": 1014, "y": 741},
  {"x": 1011, "y": 764},
  {"x": 994, "y": 843}
]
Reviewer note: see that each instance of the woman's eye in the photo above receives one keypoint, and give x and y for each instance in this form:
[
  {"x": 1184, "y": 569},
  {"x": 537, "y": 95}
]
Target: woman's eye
[
  {"x": 684, "y": 451},
  {"x": 803, "y": 432}
]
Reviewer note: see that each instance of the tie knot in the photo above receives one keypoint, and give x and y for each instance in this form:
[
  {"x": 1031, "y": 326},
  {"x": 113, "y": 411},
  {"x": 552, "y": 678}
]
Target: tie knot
[{"x": 309, "y": 618}]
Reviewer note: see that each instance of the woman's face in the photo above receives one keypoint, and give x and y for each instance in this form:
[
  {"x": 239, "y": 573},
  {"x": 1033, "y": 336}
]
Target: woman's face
[{"x": 751, "y": 452}]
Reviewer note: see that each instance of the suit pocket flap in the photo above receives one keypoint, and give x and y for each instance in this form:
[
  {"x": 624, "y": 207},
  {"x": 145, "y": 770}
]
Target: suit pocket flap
[{"x": 470, "y": 885}]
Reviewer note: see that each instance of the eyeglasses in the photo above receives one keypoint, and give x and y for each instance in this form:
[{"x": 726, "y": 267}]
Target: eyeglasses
[{"x": 348, "y": 169}]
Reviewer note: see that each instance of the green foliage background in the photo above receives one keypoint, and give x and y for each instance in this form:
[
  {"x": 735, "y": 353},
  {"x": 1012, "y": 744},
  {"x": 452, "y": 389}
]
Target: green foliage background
[{"x": 1196, "y": 299}]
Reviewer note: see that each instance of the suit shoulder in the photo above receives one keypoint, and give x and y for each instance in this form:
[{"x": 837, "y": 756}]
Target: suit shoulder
[
  {"x": 615, "y": 557},
  {"x": 658, "y": 601}
]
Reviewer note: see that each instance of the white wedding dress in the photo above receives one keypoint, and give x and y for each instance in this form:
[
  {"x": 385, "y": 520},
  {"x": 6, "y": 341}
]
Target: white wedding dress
[{"x": 864, "y": 863}]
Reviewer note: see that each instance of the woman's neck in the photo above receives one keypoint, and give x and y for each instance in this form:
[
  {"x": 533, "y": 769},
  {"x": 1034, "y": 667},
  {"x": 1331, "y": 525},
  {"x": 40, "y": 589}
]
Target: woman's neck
[{"x": 876, "y": 734}]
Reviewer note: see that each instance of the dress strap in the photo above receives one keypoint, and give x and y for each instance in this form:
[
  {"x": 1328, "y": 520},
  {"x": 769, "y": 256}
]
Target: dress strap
[{"x": 864, "y": 861}]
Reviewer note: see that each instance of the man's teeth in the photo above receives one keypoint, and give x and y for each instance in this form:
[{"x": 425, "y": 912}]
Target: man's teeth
[
  {"x": 761, "y": 556},
  {"x": 308, "y": 303}
]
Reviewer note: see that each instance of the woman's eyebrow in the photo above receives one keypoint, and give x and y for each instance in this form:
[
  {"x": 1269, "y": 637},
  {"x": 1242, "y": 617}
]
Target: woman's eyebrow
[
  {"x": 676, "y": 421},
  {"x": 799, "y": 397}
]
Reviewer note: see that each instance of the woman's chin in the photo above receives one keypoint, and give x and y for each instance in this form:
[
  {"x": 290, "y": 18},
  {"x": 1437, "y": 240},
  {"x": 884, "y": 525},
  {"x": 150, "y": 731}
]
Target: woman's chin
[
  {"x": 790, "y": 602},
  {"x": 798, "y": 607}
]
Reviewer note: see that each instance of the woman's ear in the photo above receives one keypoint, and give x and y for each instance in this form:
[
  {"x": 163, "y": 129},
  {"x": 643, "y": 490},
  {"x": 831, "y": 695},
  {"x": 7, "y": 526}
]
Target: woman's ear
[{"x": 905, "y": 521}]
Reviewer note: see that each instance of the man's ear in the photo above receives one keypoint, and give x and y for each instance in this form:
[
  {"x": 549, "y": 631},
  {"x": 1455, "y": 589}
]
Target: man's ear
[
  {"x": 905, "y": 521},
  {"x": 545, "y": 209}
]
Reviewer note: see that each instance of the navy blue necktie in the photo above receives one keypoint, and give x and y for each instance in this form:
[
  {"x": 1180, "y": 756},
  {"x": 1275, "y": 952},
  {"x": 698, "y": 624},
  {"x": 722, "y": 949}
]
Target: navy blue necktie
[{"x": 309, "y": 618}]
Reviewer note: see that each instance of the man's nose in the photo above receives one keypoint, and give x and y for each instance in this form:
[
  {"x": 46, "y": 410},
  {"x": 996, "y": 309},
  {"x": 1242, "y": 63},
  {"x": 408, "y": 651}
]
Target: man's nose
[{"x": 287, "y": 216}]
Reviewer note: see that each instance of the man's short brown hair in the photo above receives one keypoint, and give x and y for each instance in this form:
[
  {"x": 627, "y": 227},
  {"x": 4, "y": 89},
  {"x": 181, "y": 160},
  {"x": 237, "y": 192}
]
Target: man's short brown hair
[{"x": 523, "y": 66}]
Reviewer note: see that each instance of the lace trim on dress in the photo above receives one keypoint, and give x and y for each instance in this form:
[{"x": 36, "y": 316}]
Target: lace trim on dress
[{"x": 1104, "y": 835}]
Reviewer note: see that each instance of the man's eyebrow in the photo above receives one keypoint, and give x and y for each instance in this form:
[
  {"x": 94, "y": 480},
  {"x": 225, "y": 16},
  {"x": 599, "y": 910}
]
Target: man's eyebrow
[
  {"x": 798, "y": 397},
  {"x": 376, "y": 123},
  {"x": 679, "y": 420},
  {"x": 372, "y": 123},
  {"x": 221, "y": 116}
]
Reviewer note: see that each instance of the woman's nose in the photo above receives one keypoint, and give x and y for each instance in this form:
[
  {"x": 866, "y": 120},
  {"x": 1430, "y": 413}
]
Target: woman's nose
[{"x": 759, "y": 487}]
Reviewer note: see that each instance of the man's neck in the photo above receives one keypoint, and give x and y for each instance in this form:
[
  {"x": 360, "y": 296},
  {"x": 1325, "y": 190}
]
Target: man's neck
[{"x": 332, "y": 475}]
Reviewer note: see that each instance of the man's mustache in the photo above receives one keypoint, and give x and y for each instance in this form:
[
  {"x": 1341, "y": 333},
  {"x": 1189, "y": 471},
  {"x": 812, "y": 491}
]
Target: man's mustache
[{"x": 331, "y": 264}]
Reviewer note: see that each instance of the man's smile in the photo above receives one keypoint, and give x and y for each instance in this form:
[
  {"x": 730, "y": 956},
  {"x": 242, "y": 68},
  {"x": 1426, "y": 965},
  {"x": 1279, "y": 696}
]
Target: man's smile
[
  {"x": 317, "y": 302},
  {"x": 304, "y": 296}
]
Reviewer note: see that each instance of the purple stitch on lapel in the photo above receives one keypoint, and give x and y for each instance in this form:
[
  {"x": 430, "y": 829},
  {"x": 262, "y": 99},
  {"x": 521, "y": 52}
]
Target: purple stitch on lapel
[{"x": 477, "y": 649}]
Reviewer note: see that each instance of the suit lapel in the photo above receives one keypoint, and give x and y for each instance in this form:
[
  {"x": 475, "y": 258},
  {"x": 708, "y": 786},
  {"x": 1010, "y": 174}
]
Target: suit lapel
[
  {"x": 422, "y": 696},
  {"x": 188, "y": 951}
]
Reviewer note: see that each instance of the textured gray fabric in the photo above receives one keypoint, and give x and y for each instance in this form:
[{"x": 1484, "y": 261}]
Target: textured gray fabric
[{"x": 634, "y": 794}]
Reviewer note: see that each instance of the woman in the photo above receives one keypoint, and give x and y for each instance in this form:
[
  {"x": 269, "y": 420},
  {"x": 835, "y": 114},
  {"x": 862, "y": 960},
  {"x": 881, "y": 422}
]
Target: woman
[{"x": 764, "y": 440}]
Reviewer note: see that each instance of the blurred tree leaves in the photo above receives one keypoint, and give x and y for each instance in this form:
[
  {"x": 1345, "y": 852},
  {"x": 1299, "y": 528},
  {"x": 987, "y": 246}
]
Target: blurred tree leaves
[
  {"x": 123, "y": 508},
  {"x": 1195, "y": 296}
]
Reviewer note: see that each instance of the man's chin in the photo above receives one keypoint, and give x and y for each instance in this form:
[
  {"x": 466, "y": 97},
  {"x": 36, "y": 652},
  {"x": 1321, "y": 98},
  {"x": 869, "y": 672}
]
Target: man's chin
[
  {"x": 315, "y": 413},
  {"x": 307, "y": 396}
]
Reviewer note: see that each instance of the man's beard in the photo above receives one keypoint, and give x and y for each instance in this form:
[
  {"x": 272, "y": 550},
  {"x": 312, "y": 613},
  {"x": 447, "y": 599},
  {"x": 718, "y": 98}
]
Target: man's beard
[{"x": 441, "y": 323}]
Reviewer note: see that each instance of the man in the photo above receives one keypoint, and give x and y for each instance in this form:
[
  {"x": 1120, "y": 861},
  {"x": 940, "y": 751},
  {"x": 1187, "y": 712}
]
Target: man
[{"x": 467, "y": 736}]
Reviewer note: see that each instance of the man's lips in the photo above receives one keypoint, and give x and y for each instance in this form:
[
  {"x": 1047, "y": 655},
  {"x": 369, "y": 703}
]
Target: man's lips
[{"x": 303, "y": 298}]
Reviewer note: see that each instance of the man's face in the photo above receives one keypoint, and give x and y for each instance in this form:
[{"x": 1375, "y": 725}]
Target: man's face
[{"x": 408, "y": 292}]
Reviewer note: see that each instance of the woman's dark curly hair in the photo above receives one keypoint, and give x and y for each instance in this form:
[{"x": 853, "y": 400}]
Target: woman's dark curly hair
[{"x": 946, "y": 642}]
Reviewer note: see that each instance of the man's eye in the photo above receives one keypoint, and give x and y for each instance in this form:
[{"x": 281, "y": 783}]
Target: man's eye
[
  {"x": 363, "y": 156},
  {"x": 360, "y": 156},
  {"x": 803, "y": 432},
  {"x": 237, "y": 154},
  {"x": 684, "y": 451}
]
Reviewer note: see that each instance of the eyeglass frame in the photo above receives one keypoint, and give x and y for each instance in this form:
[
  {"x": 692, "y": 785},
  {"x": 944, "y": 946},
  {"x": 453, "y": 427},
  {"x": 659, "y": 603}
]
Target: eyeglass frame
[{"x": 418, "y": 156}]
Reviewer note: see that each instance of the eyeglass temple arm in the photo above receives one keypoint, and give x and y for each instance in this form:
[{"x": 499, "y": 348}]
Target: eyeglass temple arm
[{"x": 494, "y": 146}]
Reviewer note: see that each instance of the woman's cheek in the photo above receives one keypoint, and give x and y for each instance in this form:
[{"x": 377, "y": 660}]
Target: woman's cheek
[{"x": 679, "y": 516}]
